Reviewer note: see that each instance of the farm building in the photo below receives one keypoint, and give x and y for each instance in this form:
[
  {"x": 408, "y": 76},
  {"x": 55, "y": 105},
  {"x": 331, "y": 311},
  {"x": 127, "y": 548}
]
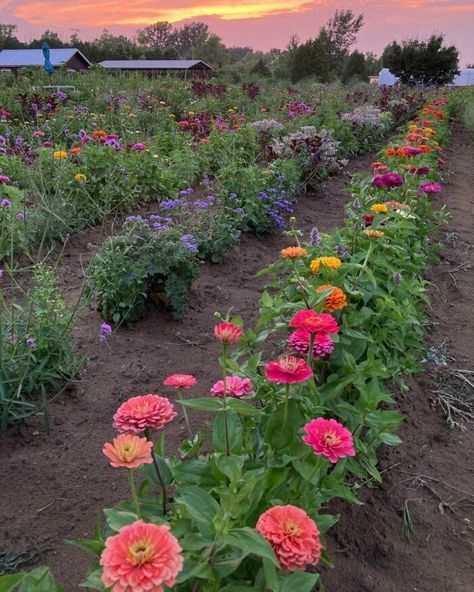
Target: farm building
[
  {"x": 14, "y": 59},
  {"x": 181, "y": 68}
]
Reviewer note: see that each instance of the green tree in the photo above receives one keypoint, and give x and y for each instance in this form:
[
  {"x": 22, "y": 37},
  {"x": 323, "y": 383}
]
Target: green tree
[
  {"x": 311, "y": 59},
  {"x": 8, "y": 39},
  {"x": 159, "y": 34},
  {"x": 355, "y": 67},
  {"x": 341, "y": 33},
  {"x": 261, "y": 69},
  {"x": 427, "y": 63}
]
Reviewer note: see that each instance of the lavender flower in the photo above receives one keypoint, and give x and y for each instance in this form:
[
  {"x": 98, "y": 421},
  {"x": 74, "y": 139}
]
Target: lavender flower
[
  {"x": 5, "y": 203},
  {"x": 204, "y": 205},
  {"x": 341, "y": 252},
  {"x": 105, "y": 329},
  {"x": 189, "y": 241},
  {"x": 30, "y": 342},
  {"x": 397, "y": 277},
  {"x": 314, "y": 237}
]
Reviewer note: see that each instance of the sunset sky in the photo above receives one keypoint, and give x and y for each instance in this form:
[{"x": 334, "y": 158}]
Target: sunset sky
[{"x": 262, "y": 24}]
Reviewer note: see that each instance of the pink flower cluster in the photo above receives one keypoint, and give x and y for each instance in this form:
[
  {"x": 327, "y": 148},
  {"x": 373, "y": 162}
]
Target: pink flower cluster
[
  {"x": 329, "y": 438},
  {"x": 388, "y": 181},
  {"x": 235, "y": 387}
]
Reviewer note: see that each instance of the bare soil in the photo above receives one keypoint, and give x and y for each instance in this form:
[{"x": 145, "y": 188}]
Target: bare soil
[{"x": 53, "y": 488}]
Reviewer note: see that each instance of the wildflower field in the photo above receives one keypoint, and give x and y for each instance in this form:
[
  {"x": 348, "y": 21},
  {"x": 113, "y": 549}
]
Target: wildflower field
[{"x": 213, "y": 304}]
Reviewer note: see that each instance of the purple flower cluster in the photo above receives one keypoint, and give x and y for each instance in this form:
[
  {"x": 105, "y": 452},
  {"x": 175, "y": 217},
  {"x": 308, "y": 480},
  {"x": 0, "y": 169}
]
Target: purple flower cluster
[
  {"x": 190, "y": 242},
  {"x": 170, "y": 204},
  {"x": 388, "y": 181}
]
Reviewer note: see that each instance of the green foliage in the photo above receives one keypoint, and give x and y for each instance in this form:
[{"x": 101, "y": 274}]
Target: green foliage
[
  {"x": 137, "y": 264},
  {"x": 36, "y": 347},
  {"x": 427, "y": 63}
]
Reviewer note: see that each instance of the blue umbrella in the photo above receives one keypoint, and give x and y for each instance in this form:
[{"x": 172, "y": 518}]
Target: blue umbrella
[{"x": 48, "y": 66}]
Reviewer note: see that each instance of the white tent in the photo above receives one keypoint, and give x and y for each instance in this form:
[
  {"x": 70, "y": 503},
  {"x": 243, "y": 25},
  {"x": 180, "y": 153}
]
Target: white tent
[
  {"x": 386, "y": 78},
  {"x": 464, "y": 78}
]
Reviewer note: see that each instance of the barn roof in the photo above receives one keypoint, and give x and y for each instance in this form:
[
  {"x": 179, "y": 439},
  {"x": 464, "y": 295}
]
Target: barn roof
[
  {"x": 155, "y": 64},
  {"x": 13, "y": 58}
]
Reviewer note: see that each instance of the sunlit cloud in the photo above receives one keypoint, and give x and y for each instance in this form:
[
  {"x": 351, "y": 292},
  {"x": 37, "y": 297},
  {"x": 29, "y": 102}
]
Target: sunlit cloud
[{"x": 141, "y": 12}]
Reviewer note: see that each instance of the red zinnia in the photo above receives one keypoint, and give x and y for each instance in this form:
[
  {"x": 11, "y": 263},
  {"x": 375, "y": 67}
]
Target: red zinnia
[
  {"x": 314, "y": 322},
  {"x": 183, "y": 381},
  {"x": 227, "y": 332},
  {"x": 288, "y": 369},
  {"x": 293, "y": 536}
]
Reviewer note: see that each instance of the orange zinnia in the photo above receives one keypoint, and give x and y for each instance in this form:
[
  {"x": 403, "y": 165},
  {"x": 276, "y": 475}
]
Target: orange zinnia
[
  {"x": 99, "y": 134},
  {"x": 329, "y": 262},
  {"x": 75, "y": 151},
  {"x": 293, "y": 252},
  {"x": 336, "y": 299}
]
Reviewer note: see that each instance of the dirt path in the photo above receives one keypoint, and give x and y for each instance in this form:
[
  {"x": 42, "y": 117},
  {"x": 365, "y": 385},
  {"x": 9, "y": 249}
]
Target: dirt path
[
  {"x": 431, "y": 476},
  {"x": 54, "y": 488}
]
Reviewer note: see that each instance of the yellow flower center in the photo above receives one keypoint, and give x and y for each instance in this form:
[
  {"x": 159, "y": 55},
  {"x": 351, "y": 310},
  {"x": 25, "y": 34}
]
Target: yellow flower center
[
  {"x": 330, "y": 439},
  {"x": 291, "y": 528},
  {"x": 141, "y": 552},
  {"x": 127, "y": 451}
]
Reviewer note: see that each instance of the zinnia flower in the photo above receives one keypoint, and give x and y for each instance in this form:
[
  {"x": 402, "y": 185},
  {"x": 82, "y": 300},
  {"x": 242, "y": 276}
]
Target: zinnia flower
[
  {"x": 183, "y": 381},
  {"x": 235, "y": 387},
  {"x": 293, "y": 252},
  {"x": 379, "y": 208},
  {"x": 336, "y": 299},
  {"x": 430, "y": 188},
  {"x": 329, "y": 262},
  {"x": 143, "y": 412},
  {"x": 299, "y": 342},
  {"x": 288, "y": 370},
  {"x": 388, "y": 180},
  {"x": 141, "y": 558},
  {"x": 373, "y": 233},
  {"x": 314, "y": 322},
  {"x": 129, "y": 451},
  {"x": 60, "y": 154},
  {"x": 80, "y": 177},
  {"x": 293, "y": 536},
  {"x": 4, "y": 179},
  {"x": 368, "y": 219},
  {"x": 227, "y": 332},
  {"x": 329, "y": 438}
]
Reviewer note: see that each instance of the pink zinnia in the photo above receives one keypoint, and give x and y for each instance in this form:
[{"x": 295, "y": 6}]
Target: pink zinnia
[
  {"x": 288, "y": 369},
  {"x": 144, "y": 412},
  {"x": 293, "y": 536},
  {"x": 314, "y": 322},
  {"x": 183, "y": 381},
  {"x": 128, "y": 451},
  {"x": 430, "y": 188},
  {"x": 235, "y": 387},
  {"x": 329, "y": 438},
  {"x": 141, "y": 558},
  {"x": 227, "y": 332},
  {"x": 299, "y": 342},
  {"x": 4, "y": 179}
]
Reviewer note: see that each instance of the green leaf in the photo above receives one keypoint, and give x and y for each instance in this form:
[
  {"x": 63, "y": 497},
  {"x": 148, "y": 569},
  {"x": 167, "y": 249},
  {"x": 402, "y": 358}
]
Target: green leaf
[
  {"x": 150, "y": 471},
  {"x": 298, "y": 581},
  {"x": 231, "y": 466},
  {"x": 202, "y": 507},
  {"x": 389, "y": 439},
  {"x": 266, "y": 299},
  {"x": 242, "y": 407},
  {"x": 93, "y": 546},
  {"x": 117, "y": 519},
  {"x": 38, "y": 580},
  {"x": 250, "y": 541},
  {"x": 235, "y": 432},
  {"x": 10, "y": 582},
  {"x": 204, "y": 404}
]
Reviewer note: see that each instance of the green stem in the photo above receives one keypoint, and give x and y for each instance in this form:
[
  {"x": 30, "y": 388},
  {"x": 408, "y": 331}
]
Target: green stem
[
  {"x": 185, "y": 413},
  {"x": 224, "y": 372},
  {"x": 133, "y": 491},
  {"x": 310, "y": 350},
  {"x": 158, "y": 472},
  {"x": 285, "y": 411}
]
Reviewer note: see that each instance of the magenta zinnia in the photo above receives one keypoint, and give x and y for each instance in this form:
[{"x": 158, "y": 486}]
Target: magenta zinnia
[
  {"x": 141, "y": 558},
  {"x": 288, "y": 370},
  {"x": 329, "y": 438},
  {"x": 145, "y": 412},
  {"x": 299, "y": 342}
]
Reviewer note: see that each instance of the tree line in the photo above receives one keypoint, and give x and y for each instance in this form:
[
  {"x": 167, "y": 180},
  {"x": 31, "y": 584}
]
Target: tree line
[{"x": 327, "y": 57}]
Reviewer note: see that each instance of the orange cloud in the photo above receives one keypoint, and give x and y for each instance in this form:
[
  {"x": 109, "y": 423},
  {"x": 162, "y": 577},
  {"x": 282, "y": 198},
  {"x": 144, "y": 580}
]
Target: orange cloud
[{"x": 141, "y": 12}]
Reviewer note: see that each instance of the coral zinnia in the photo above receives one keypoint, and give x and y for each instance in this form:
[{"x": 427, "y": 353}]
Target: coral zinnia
[
  {"x": 329, "y": 438},
  {"x": 144, "y": 412},
  {"x": 336, "y": 299},
  {"x": 299, "y": 342},
  {"x": 129, "y": 451},
  {"x": 293, "y": 252},
  {"x": 235, "y": 387},
  {"x": 288, "y": 370},
  {"x": 183, "y": 381},
  {"x": 141, "y": 558},
  {"x": 293, "y": 536},
  {"x": 314, "y": 322},
  {"x": 227, "y": 332},
  {"x": 329, "y": 262}
]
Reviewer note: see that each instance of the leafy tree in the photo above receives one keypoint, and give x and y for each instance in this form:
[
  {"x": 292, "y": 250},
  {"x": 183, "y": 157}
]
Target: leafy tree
[
  {"x": 8, "y": 39},
  {"x": 188, "y": 37},
  {"x": 422, "y": 62},
  {"x": 356, "y": 67},
  {"x": 261, "y": 69},
  {"x": 373, "y": 64},
  {"x": 49, "y": 37},
  {"x": 311, "y": 59},
  {"x": 211, "y": 50},
  {"x": 159, "y": 34},
  {"x": 341, "y": 32}
]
